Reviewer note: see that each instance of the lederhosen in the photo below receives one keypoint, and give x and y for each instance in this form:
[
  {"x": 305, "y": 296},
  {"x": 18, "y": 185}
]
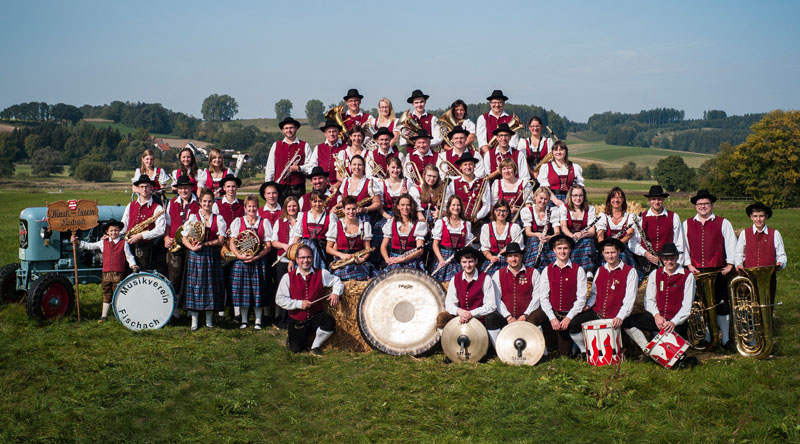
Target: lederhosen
[{"x": 113, "y": 267}]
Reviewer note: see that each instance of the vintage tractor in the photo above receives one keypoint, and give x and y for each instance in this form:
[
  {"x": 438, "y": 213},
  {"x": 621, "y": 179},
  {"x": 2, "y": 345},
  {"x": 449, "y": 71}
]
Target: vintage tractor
[{"x": 45, "y": 276}]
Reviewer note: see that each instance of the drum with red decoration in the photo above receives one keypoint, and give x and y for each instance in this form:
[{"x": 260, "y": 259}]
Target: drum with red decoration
[
  {"x": 667, "y": 348},
  {"x": 603, "y": 342}
]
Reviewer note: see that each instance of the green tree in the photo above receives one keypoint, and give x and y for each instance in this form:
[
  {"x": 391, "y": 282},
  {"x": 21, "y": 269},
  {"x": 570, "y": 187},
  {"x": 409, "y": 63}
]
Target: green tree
[
  {"x": 64, "y": 112},
  {"x": 594, "y": 171},
  {"x": 92, "y": 171},
  {"x": 314, "y": 111},
  {"x": 673, "y": 174},
  {"x": 46, "y": 161},
  {"x": 628, "y": 171},
  {"x": 715, "y": 173},
  {"x": 283, "y": 108},
  {"x": 219, "y": 107}
]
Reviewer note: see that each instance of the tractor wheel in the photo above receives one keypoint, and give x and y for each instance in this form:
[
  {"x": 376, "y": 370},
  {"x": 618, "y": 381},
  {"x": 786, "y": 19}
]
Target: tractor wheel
[
  {"x": 51, "y": 297},
  {"x": 8, "y": 285}
]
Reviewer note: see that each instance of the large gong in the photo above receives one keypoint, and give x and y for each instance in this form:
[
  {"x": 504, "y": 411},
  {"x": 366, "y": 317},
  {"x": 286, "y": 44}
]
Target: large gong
[{"x": 397, "y": 312}]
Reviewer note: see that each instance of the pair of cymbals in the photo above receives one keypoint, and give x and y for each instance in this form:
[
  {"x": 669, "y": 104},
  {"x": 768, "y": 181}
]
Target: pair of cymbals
[{"x": 519, "y": 343}]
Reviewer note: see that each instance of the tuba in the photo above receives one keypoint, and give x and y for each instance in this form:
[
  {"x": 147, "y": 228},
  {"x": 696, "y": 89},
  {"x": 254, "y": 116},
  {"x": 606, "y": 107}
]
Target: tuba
[
  {"x": 448, "y": 122},
  {"x": 750, "y": 295},
  {"x": 337, "y": 114},
  {"x": 702, "y": 322},
  {"x": 515, "y": 125}
]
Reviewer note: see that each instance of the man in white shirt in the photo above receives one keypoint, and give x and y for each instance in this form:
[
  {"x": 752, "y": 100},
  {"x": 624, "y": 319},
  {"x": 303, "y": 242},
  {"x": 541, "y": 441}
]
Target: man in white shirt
[
  {"x": 490, "y": 121},
  {"x": 281, "y": 168}
]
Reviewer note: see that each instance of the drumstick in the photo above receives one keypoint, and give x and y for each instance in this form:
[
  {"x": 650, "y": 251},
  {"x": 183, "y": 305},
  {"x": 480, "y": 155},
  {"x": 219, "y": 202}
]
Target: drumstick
[{"x": 322, "y": 298}]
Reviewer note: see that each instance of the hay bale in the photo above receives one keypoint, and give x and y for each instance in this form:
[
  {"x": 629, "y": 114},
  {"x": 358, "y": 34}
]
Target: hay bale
[{"x": 347, "y": 335}]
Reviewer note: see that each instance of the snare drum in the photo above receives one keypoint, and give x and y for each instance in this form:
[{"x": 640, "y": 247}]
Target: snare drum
[
  {"x": 667, "y": 348},
  {"x": 144, "y": 301},
  {"x": 603, "y": 342}
]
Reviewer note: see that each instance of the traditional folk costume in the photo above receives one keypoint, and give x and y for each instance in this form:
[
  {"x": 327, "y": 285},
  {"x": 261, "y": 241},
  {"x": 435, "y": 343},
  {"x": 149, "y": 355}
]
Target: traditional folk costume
[
  {"x": 280, "y": 154},
  {"x": 388, "y": 196},
  {"x": 213, "y": 184},
  {"x": 346, "y": 155},
  {"x": 584, "y": 253},
  {"x": 160, "y": 179},
  {"x": 612, "y": 296},
  {"x": 493, "y": 157},
  {"x": 535, "y": 154},
  {"x": 612, "y": 229},
  {"x": 204, "y": 281},
  {"x": 760, "y": 248},
  {"x": 296, "y": 287},
  {"x": 513, "y": 296},
  {"x": 139, "y": 211},
  {"x": 281, "y": 232},
  {"x": 559, "y": 179},
  {"x": 381, "y": 159},
  {"x": 248, "y": 279},
  {"x": 178, "y": 212},
  {"x": 351, "y": 243},
  {"x": 311, "y": 229},
  {"x": 474, "y": 293},
  {"x": 659, "y": 228},
  {"x": 198, "y": 181},
  {"x": 487, "y": 123},
  {"x": 494, "y": 240},
  {"x": 561, "y": 292},
  {"x": 453, "y": 157},
  {"x": 451, "y": 238},
  {"x": 468, "y": 192},
  {"x": 401, "y": 243},
  {"x": 530, "y": 218},
  {"x": 367, "y": 187},
  {"x": 420, "y": 160},
  {"x": 228, "y": 210},
  {"x": 324, "y": 154}
]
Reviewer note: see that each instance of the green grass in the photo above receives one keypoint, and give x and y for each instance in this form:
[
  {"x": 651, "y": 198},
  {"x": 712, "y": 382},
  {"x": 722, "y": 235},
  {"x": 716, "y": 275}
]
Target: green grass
[
  {"x": 614, "y": 156},
  {"x": 24, "y": 169},
  {"x": 84, "y": 382},
  {"x": 310, "y": 134}
]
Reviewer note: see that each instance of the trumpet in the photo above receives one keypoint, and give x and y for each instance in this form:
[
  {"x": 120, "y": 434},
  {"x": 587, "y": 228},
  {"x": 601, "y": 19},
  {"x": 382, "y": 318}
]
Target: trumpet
[
  {"x": 452, "y": 170},
  {"x": 409, "y": 127},
  {"x": 411, "y": 170},
  {"x": 341, "y": 170},
  {"x": 294, "y": 161},
  {"x": 515, "y": 125},
  {"x": 339, "y": 263},
  {"x": 377, "y": 170}
]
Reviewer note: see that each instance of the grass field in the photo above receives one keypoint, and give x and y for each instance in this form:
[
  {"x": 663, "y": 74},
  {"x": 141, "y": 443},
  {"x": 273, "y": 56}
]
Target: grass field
[
  {"x": 613, "y": 156},
  {"x": 82, "y": 382}
]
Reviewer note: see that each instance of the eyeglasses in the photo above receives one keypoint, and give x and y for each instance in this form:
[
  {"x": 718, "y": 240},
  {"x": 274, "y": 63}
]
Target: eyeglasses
[{"x": 535, "y": 127}]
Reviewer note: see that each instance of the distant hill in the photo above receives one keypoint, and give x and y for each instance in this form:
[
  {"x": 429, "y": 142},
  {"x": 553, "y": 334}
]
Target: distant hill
[{"x": 586, "y": 147}]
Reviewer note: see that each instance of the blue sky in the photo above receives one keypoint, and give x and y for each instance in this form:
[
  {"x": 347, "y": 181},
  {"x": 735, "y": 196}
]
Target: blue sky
[{"x": 577, "y": 58}]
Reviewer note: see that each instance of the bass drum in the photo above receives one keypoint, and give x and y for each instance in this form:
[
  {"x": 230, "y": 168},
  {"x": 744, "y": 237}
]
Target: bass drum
[
  {"x": 397, "y": 312},
  {"x": 144, "y": 301}
]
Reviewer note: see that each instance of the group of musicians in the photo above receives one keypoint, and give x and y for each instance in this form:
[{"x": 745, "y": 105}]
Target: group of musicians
[{"x": 507, "y": 226}]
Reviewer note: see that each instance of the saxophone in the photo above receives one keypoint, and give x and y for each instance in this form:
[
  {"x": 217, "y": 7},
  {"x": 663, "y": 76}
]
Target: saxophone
[{"x": 140, "y": 227}]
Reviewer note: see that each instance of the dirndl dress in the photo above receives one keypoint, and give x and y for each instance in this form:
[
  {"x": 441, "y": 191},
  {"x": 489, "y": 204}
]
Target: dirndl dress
[
  {"x": 247, "y": 281},
  {"x": 356, "y": 272},
  {"x": 205, "y": 289},
  {"x": 584, "y": 254},
  {"x": 449, "y": 270},
  {"x": 414, "y": 264},
  {"x": 547, "y": 257}
]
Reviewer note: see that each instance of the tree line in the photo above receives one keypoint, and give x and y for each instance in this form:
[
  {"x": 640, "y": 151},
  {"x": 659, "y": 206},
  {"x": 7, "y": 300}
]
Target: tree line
[{"x": 37, "y": 112}]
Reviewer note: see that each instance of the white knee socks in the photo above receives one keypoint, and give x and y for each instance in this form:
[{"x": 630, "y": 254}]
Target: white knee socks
[
  {"x": 320, "y": 338},
  {"x": 106, "y": 307},
  {"x": 194, "y": 316},
  {"x": 257, "y": 311},
  {"x": 579, "y": 341},
  {"x": 209, "y": 319},
  {"x": 724, "y": 322},
  {"x": 638, "y": 337}
]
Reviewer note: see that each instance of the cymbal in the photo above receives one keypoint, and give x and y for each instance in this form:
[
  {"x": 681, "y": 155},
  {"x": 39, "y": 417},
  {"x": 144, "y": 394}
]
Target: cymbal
[
  {"x": 520, "y": 343},
  {"x": 465, "y": 342}
]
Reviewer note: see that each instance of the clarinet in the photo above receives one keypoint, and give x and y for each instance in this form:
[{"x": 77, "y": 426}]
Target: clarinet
[
  {"x": 648, "y": 267},
  {"x": 544, "y": 230}
]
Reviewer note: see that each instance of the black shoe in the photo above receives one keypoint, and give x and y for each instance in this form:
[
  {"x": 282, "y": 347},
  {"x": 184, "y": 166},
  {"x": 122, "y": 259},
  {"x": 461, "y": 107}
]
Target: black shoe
[
  {"x": 729, "y": 348},
  {"x": 316, "y": 351},
  {"x": 686, "y": 362},
  {"x": 446, "y": 360}
]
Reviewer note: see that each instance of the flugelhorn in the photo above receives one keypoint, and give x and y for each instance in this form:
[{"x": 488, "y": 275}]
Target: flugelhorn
[
  {"x": 750, "y": 296},
  {"x": 452, "y": 170},
  {"x": 365, "y": 202},
  {"x": 377, "y": 170},
  {"x": 294, "y": 161}
]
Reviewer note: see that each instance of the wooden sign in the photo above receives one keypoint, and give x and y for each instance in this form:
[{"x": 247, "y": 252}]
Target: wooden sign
[{"x": 72, "y": 215}]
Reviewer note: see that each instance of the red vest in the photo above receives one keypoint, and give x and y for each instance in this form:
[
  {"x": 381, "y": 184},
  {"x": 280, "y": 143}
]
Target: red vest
[
  {"x": 609, "y": 300},
  {"x": 759, "y": 249},
  {"x": 230, "y": 211},
  {"x": 388, "y": 200},
  {"x": 492, "y": 123},
  {"x": 283, "y": 153},
  {"x": 211, "y": 183},
  {"x": 535, "y": 225},
  {"x": 576, "y": 226},
  {"x": 468, "y": 194},
  {"x": 511, "y": 197},
  {"x": 270, "y": 215},
  {"x": 447, "y": 237},
  {"x": 529, "y": 151},
  {"x": 192, "y": 179},
  {"x": 493, "y": 163},
  {"x": 359, "y": 119},
  {"x": 658, "y": 229},
  {"x": 390, "y": 127},
  {"x": 211, "y": 232},
  {"x": 315, "y": 230},
  {"x": 610, "y": 232},
  {"x": 563, "y": 286},
  {"x": 404, "y": 243},
  {"x": 310, "y": 289},
  {"x": 470, "y": 294},
  {"x": 706, "y": 243},
  {"x": 347, "y": 244},
  {"x": 516, "y": 291},
  {"x": 259, "y": 230},
  {"x": 494, "y": 245},
  {"x": 383, "y": 161},
  {"x": 560, "y": 183},
  {"x": 363, "y": 193},
  {"x": 420, "y": 162},
  {"x": 154, "y": 178},
  {"x": 307, "y": 203},
  {"x": 114, "y": 256},
  {"x": 283, "y": 234},
  {"x": 139, "y": 213},
  {"x": 669, "y": 299},
  {"x": 178, "y": 214},
  {"x": 424, "y": 122},
  {"x": 326, "y": 157}
]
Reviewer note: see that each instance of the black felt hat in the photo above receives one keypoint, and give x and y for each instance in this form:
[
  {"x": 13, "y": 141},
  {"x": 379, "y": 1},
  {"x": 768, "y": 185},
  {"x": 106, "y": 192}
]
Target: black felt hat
[
  {"x": 558, "y": 237},
  {"x": 512, "y": 248},
  {"x": 183, "y": 181},
  {"x": 611, "y": 241},
  {"x": 503, "y": 128},
  {"x": 113, "y": 223},
  {"x": 229, "y": 178},
  {"x": 352, "y": 92},
  {"x": 317, "y": 171},
  {"x": 458, "y": 129},
  {"x": 417, "y": 93},
  {"x": 703, "y": 194},
  {"x": 497, "y": 94},
  {"x": 758, "y": 206},
  {"x": 421, "y": 134},
  {"x": 469, "y": 250},
  {"x": 287, "y": 121},
  {"x": 330, "y": 124},
  {"x": 264, "y": 187},
  {"x": 144, "y": 178},
  {"x": 669, "y": 249},
  {"x": 383, "y": 131},
  {"x": 466, "y": 156},
  {"x": 656, "y": 191}
]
